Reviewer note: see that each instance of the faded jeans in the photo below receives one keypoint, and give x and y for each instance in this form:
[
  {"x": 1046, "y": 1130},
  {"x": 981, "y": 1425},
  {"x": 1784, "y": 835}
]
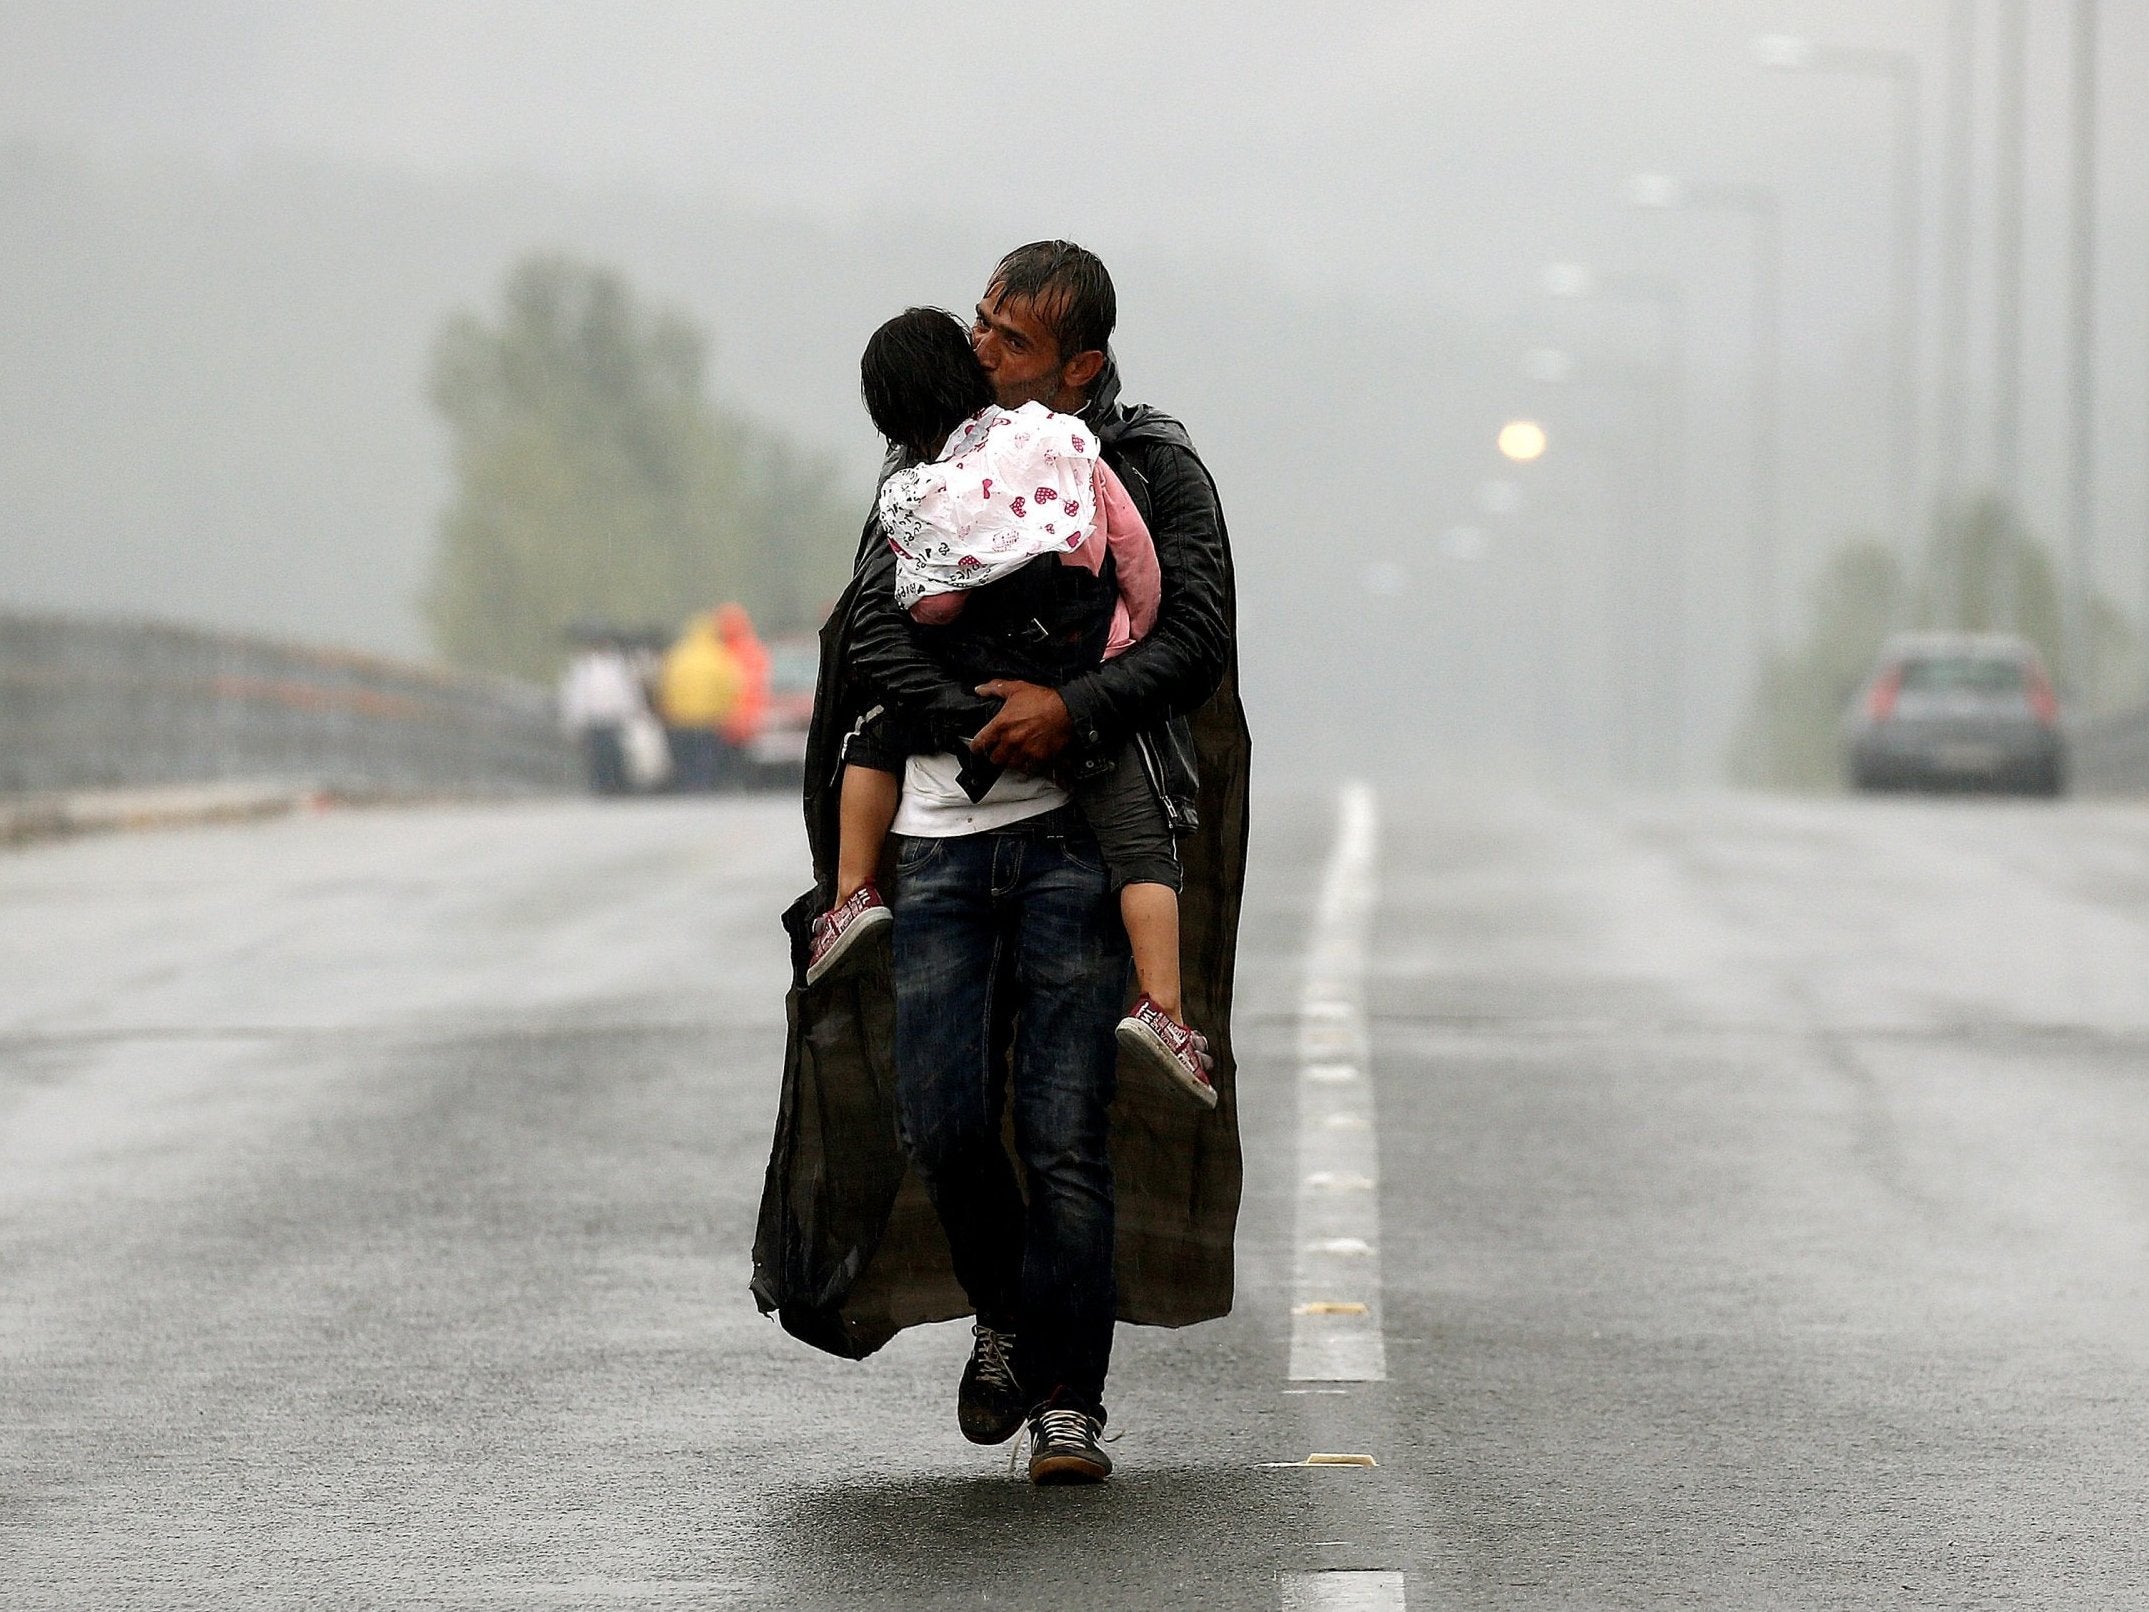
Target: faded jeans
[{"x": 991, "y": 929}]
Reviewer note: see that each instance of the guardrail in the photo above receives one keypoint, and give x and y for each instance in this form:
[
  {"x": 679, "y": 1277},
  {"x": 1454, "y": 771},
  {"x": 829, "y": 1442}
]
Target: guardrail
[
  {"x": 2111, "y": 754},
  {"x": 88, "y": 703}
]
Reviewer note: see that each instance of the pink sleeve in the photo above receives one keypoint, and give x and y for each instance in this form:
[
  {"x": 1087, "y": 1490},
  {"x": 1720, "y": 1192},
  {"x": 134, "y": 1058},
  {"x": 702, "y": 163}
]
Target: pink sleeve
[
  {"x": 1134, "y": 561},
  {"x": 937, "y": 609}
]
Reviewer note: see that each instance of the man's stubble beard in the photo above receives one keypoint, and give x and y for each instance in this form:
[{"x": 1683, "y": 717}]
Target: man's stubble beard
[{"x": 1015, "y": 396}]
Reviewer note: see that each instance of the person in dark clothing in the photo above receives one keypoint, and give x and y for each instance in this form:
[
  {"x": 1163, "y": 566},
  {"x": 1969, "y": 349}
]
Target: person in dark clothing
[
  {"x": 1017, "y": 545},
  {"x": 1130, "y": 1205},
  {"x": 1040, "y": 1273}
]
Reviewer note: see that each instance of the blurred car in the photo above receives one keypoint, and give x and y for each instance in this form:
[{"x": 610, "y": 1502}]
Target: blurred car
[
  {"x": 1957, "y": 711},
  {"x": 779, "y": 749}
]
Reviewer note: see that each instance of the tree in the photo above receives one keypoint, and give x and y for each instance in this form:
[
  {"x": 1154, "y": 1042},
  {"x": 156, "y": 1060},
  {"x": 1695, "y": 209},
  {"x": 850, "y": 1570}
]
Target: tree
[
  {"x": 804, "y": 522},
  {"x": 594, "y": 479},
  {"x": 1793, "y": 734},
  {"x": 1984, "y": 570}
]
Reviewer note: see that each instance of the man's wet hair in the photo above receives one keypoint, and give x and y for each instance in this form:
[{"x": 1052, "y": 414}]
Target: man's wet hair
[
  {"x": 1069, "y": 289},
  {"x": 920, "y": 379}
]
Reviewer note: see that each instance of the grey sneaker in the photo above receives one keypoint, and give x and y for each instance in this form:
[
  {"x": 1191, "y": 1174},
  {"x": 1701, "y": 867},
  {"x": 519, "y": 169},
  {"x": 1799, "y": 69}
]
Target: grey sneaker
[
  {"x": 1064, "y": 1448},
  {"x": 989, "y": 1405}
]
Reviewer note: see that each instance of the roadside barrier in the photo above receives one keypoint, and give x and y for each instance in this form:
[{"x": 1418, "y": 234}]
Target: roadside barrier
[
  {"x": 89, "y": 703},
  {"x": 2111, "y": 754}
]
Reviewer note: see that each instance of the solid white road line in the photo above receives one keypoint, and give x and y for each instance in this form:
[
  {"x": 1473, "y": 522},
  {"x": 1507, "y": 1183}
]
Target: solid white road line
[
  {"x": 1343, "y": 1592},
  {"x": 1335, "y": 1308}
]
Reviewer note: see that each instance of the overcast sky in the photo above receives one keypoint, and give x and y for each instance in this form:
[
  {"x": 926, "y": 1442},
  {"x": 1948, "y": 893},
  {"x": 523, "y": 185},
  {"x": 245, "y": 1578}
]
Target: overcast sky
[
  {"x": 1410, "y": 160},
  {"x": 1436, "y": 150},
  {"x": 1369, "y": 146}
]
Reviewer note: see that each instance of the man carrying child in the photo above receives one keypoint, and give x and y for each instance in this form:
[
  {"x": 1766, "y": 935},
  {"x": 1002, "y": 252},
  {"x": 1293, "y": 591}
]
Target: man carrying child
[{"x": 1010, "y": 967}]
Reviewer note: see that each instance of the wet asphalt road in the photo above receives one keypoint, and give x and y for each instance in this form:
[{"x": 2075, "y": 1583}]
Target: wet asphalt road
[{"x": 1764, "y": 1194}]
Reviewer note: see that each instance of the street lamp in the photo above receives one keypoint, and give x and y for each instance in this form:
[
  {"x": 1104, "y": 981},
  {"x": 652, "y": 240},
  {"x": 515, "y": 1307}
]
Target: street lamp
[
  {"x": 1787, "y": 53},
  {"x": 1657, "y": 190},
  {"x": 1578, "y": 282},
  {"x": 1759, "y": 204},
  {"x": 1522, "y": 441},
  {"x": 1548, "y": 366}
]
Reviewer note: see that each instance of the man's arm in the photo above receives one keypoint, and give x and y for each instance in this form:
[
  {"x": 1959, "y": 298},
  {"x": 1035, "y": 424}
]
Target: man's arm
[
  {"x": 1176, "y": 667},
  {"x": 885, "y": 660}
]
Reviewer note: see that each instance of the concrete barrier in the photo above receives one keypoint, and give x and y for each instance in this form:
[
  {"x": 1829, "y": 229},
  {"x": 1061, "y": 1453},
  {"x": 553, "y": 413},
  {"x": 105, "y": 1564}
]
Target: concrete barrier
[
  {"x": 90, "y": 704},
  {"x": 2111, "y": 754}
]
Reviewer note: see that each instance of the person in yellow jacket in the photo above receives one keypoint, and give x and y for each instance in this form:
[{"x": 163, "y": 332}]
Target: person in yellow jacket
[{"x": 698, "y": 690}]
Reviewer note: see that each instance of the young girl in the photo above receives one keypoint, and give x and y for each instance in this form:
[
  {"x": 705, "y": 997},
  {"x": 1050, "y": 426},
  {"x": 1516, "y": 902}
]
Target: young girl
[{"x": 998, "y": 493}]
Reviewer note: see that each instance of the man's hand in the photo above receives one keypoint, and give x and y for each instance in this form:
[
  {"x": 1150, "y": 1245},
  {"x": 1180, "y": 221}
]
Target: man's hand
[{"x": 1029, "y": 729}]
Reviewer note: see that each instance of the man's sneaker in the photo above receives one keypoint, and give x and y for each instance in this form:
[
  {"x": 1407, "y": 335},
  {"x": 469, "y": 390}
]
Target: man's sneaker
[
  {"x": 989, "y": 1405},
  {"x": 838, "y": 933},
  {"x": 1064, "y": 1448},
  {"x": 1157, "y": 1041}
]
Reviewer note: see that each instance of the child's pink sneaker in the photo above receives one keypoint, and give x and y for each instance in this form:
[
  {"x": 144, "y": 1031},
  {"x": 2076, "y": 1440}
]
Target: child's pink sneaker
[
  {"x": 1157, "y": 1041},
  {"x": 838, "y": 932}
]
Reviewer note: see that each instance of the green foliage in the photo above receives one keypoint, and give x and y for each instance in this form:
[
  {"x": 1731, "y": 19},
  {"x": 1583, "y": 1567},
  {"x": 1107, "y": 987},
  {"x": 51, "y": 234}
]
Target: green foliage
[
  {"x": 804, "y": 521},
  {"x": 1793, "y": 736},
  {"x": 1982, "y": 572},
  {"x": 1970, "y": 585},
  {"x": 594, "y": 479}
]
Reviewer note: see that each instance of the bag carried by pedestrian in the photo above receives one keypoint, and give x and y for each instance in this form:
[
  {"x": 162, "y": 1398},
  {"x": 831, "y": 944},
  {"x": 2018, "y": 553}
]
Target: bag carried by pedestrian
[{"x": 646, "y": 752}]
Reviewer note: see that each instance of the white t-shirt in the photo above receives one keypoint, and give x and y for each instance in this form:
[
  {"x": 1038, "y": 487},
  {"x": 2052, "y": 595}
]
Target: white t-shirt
[
  {"x": 599, "y": 690},
  {"x": 935, "y": 807}
]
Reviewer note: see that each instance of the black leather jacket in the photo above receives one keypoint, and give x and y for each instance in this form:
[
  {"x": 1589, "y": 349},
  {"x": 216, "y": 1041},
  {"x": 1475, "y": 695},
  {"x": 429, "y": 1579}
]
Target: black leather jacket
[
  {"x": 832, "y": 1256},
  {"x": 1147, "y": 693}
]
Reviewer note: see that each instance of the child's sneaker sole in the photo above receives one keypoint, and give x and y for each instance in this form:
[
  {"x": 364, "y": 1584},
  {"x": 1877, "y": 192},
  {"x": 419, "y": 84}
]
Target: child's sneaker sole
[
  {"x": 847, "y": 949},
  {"x": 1147, "y": 1048}
]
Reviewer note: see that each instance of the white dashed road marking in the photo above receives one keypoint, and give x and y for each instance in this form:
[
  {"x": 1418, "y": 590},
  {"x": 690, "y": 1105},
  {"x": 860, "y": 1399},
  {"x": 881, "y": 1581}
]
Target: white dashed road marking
[
  {"x": 1335, "y": 1299},
  {"x": 1335, "y": 1309},
  {"x": 1343, "y": 1592}
]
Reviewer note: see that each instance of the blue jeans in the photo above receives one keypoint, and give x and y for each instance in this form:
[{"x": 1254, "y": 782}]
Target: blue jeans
[
  {"x": 1017, "y": 931},
  {"x": 605, "y": 759},
  {"x": 695, "y": 759}
]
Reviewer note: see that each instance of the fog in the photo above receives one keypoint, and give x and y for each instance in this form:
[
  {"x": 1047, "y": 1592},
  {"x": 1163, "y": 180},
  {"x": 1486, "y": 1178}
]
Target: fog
[{"x": 230, "y": 229}]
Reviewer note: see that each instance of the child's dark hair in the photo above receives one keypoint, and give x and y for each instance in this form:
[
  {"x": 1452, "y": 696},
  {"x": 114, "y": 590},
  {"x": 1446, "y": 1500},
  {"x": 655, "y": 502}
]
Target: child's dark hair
[{"x": 920, "y": 379}]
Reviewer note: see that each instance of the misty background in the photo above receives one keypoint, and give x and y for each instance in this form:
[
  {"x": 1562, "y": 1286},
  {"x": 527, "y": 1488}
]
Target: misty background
[{"x": 232, "y": 231}]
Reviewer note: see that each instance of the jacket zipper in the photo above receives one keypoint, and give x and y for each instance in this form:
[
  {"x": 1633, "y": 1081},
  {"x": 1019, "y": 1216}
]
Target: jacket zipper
[{"x": 1153, "y": 768}]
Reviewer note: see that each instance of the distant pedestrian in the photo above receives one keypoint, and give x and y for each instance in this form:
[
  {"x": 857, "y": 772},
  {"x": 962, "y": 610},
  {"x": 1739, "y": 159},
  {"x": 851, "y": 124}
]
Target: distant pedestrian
[
  {"x": 601, "y": 700},
  {"x": 698, "y": 692},
  {"x": 750, "y": 712}
]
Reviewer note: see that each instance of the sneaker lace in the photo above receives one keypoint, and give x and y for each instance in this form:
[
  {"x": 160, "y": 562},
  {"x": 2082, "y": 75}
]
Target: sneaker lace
[
  {"x": 993, "y": 1365},
  {"x": 1056, "y": 1425},
  {"x": 1064, "y": 1427}
]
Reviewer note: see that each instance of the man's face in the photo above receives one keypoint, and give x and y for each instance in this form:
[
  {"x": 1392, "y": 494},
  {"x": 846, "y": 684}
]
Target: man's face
[{"x": 1021, "y": 355}]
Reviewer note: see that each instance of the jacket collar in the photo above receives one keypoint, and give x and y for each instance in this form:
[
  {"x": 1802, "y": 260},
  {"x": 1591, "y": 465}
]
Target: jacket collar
[{"x": 1102, "y": 410}]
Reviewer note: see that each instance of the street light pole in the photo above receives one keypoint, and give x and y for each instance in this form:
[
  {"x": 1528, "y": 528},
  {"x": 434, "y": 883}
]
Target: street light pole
[
  {"x": 1909, "y": 113},
  {"x": 2079, "y": 650},
  {"x": 1668, "y": 300},
  {"x": 2007, "y": 269},
  {"x": 1898, "y": 68},
  {"x": 1767, "y": 219},
  {"x": 1589, "y": 593},
  {"x": 1760, "y": 206},
  {"x": 1955, "y": 305}
]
